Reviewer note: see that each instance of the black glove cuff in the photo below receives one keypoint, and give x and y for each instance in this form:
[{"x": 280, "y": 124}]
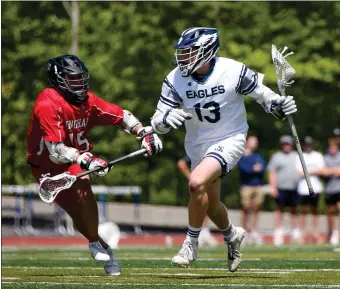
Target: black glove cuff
[
  {"x": 142, "y": 134},
  {"x": 279, "y": 114},
  {"x": 86, "y": 165},
  {"x": 165, "y": 116},
  {"x": 276, "y": 110}
]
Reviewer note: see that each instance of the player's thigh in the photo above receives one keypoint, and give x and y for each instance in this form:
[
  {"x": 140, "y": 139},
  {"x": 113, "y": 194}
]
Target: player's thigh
[
  {"x": 245, "y": 192},
  {"x": 227, "y": 152},
  {"x": 74, "y": 198},
  {"x": 207, "y": 171},
  {"x": 66, "y": 197},
  {"x": 69, "y": 198}
]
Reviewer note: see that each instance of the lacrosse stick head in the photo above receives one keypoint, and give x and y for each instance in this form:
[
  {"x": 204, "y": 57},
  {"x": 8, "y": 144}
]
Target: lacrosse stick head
[
  {"x": 50, "y": 187},
  {"x": 282, "y": 67}
]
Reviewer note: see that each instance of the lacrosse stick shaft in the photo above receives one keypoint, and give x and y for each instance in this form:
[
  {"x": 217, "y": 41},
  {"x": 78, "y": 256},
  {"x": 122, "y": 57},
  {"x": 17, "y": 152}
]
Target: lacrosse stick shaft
[
  {"x": 111, "y": 163},
  {"x": 300, "y": 153}
]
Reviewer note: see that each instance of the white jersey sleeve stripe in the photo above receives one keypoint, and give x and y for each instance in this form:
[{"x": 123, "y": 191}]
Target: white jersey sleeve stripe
[
  {"x": 59, "y": 123},
  {"x": 108, "y": 112}
]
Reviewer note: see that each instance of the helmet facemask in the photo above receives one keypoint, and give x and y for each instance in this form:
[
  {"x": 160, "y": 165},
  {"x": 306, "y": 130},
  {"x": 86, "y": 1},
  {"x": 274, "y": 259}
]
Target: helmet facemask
[
  {"x": 187, "y": 58},
  {"x": 191, "y": 59},
  {"x": 75, "y": 83}
]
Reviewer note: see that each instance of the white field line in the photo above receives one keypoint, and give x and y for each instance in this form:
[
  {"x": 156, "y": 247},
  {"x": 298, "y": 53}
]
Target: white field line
[
  {"x": 194, "y": 274},
  {"x": 124, "y": 259},
  {"x": 84, "y": 248},
  {"x": 260, "y": 270},
  {"x": 111, "y": 284},
  {"x": 134, "y": 274},
  {"x": 167, "y": 259},
  {"x": 10, "y": 278},
  {"x": 166, "y": 274},
  {"x": 49, "y": 259}
]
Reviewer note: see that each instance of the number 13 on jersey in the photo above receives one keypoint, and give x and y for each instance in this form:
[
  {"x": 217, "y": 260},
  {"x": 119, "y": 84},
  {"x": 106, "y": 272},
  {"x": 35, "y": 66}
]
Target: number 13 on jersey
[{"x": 213, "y": 108}]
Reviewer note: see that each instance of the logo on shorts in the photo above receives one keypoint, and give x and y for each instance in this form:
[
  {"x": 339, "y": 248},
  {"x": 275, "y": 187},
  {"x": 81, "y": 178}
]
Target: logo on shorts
[{"x": 219, "y": 149}]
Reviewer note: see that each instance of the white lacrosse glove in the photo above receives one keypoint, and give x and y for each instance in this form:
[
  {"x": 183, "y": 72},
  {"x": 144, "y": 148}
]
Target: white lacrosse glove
[
  {"x": 88, "y": 162},
  {"x": 150, "y": 141},
  {"x": 289, "y": 105},
  {"x": 174, "y": 117},
  {"x": 283, "y": 106}
]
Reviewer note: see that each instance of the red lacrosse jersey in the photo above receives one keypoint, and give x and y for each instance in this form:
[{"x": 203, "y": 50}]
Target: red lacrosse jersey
[{"x": 55, "y": 120}]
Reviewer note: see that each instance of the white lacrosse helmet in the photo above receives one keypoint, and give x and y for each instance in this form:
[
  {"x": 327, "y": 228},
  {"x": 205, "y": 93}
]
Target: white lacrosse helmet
[{"x": 196, "y": 47}]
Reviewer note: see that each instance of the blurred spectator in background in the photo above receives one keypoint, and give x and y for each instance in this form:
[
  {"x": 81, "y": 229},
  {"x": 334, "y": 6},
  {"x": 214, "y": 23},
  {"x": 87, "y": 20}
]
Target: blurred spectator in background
[
  {"x": 205, "y": 236},
  {"x": 336, "y": 136},
  {"x": 332, "y": 189},
  {"x": 283, "y": 179},
  {"x": 252, "y": 166},
  {"x": 314, "y": 162}
]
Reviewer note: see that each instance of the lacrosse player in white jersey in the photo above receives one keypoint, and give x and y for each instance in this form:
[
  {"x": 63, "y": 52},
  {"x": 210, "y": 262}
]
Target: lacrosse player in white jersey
[{"x": 211, "y": 92}]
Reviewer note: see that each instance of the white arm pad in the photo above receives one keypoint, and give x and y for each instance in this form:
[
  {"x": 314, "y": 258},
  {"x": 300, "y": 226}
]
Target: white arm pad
[
  {"x": 269, "y": 100},
  {"x": 130, "y": 122},
  {"x": 61, "y": 154},
  {"x": 157, "y": 122},
  {"x": 264, "y": 96}
]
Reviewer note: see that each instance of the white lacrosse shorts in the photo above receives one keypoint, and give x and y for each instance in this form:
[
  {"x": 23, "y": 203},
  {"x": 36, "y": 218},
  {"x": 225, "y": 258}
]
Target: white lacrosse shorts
[{"x": 227, "y": 152}]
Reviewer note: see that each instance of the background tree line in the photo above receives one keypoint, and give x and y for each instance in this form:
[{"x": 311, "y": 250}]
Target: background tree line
[{"x": 127, "y": 48}]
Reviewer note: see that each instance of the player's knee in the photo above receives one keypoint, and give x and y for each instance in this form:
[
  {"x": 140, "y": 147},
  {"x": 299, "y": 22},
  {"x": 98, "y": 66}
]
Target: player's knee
[{"x": 196, "y": 186}]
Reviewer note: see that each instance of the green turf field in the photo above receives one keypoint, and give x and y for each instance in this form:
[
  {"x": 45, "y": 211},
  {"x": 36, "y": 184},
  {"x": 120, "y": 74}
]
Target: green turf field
[{"x": 263, "y": 267}]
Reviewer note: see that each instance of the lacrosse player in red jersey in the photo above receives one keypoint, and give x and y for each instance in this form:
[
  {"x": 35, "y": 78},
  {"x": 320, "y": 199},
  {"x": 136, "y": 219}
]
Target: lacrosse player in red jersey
[{"x": 62, "y": 117}]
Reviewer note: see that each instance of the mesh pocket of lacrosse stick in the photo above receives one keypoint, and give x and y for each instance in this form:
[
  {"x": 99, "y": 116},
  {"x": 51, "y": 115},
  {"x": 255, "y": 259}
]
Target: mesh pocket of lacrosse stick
[
  {"x": 50, "y": 187},
  {"x": 282, "y": 65}
]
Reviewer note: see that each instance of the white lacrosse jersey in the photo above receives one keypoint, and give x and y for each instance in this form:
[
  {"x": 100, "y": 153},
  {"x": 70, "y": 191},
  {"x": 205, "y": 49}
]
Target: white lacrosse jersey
[{"x": 216, "y": 102}]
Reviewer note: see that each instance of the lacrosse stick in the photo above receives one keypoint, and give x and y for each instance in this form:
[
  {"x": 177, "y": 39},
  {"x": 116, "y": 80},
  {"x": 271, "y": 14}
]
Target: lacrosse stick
[
  {"x": 287, "y": 71},
  {"x": 50, "y": 187}
]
